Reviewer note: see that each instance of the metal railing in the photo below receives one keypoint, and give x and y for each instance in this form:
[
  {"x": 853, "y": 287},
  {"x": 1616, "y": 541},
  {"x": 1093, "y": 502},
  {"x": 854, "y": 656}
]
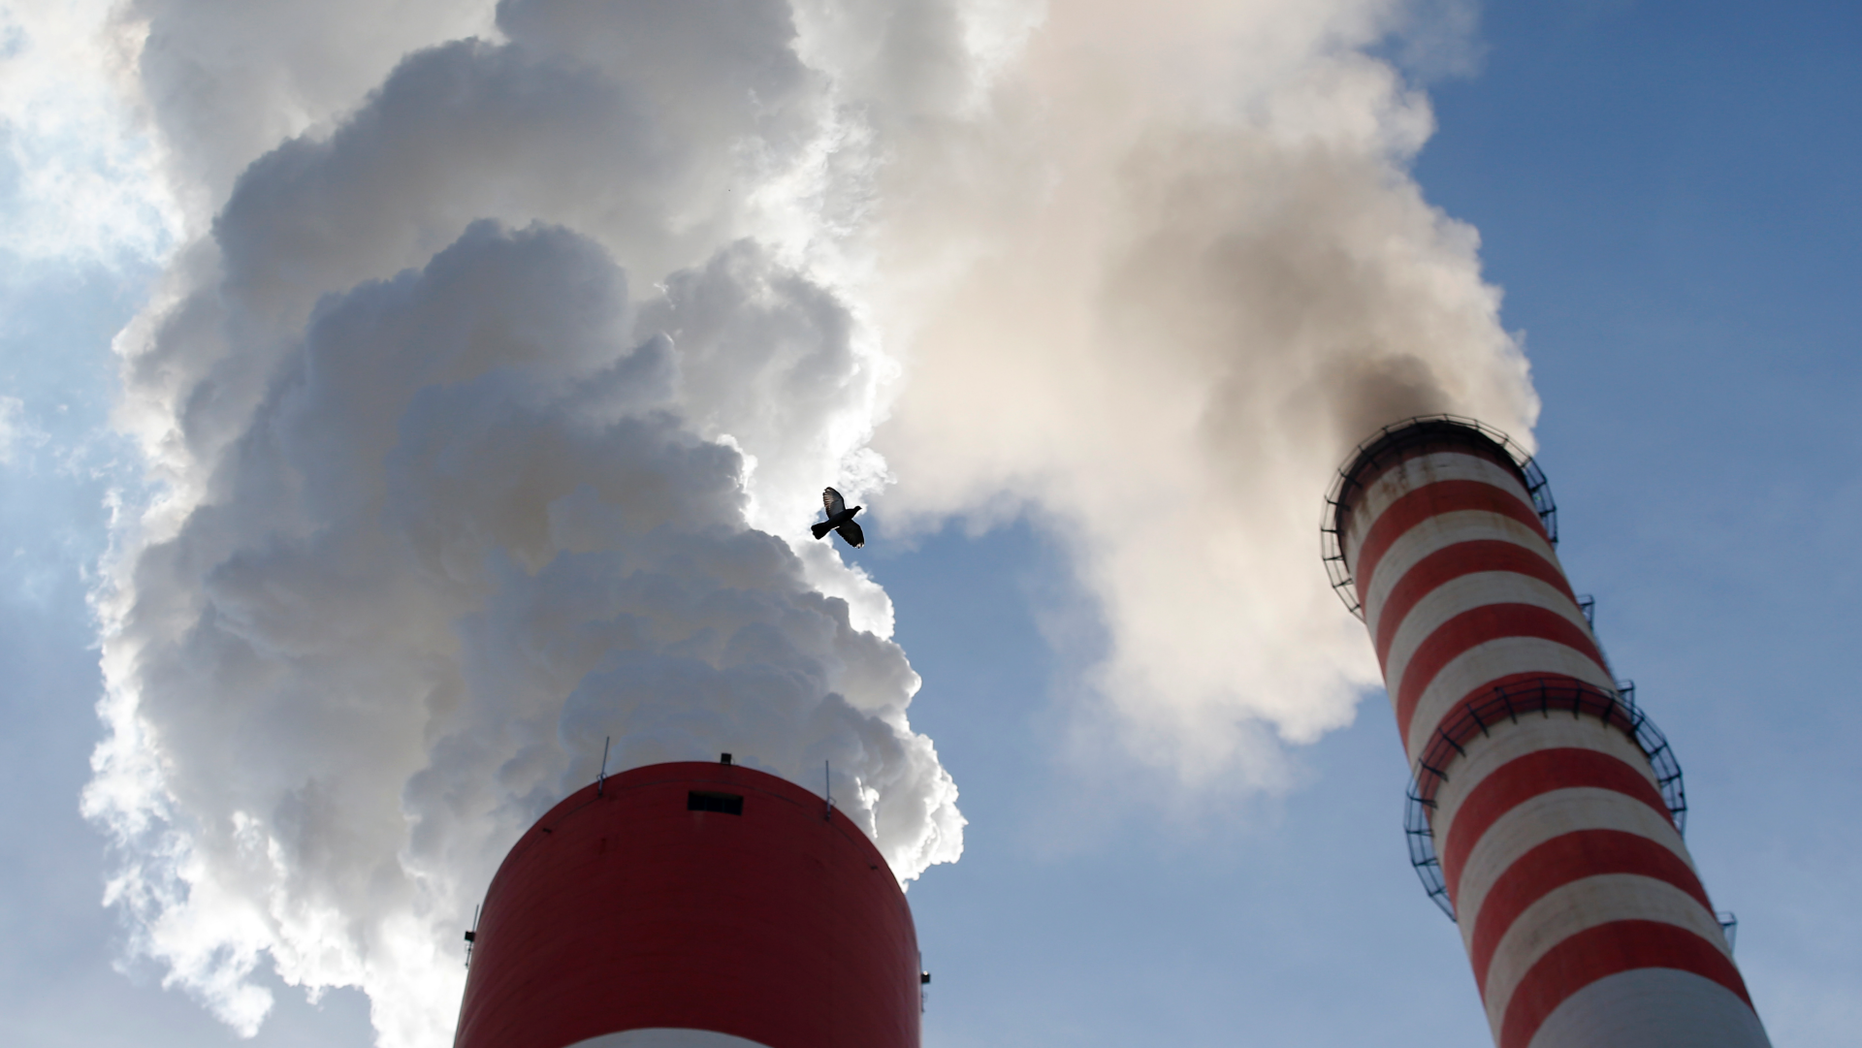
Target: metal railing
[
  {"x": 1545, "y": 697},
  {"x": 1396, "y": 437}
]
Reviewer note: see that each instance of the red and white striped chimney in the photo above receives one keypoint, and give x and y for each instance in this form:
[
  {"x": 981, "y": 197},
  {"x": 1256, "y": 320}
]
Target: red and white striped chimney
[
  {"x": 1551, "y": 801},
  {"x": 693, "y": 905}
]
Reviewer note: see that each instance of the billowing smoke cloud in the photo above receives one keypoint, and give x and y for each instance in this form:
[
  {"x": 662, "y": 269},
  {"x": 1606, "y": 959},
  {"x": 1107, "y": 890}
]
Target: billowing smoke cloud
[
  {"x": 497, "y": 375},
  {"x": 1179, "y": 273},
  {"x": 467, "y": 533},
  {"x": 478, "y": 417}
]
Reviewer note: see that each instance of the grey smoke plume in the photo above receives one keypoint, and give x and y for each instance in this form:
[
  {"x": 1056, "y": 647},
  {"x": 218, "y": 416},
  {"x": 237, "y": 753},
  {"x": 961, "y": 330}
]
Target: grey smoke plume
[{"x": 492, "y": 368}]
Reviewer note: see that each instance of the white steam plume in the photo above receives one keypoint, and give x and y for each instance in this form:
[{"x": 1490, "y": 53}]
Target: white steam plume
[
  {"x": 1172, "y": 277},
  {"x": 493, "y": 368},
  {"x": 477, "y": 415}
]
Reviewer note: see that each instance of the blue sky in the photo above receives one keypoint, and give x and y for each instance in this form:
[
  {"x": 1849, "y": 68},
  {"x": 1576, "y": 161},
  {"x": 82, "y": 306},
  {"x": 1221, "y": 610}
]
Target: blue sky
[{"x": 1666, "y": 194}]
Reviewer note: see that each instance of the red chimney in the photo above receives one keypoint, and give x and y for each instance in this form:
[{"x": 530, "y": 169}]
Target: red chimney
[{"x": 693, "y": 905}]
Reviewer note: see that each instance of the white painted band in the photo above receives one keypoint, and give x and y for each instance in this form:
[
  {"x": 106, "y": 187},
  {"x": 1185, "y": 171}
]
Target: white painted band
[
  {"x": 1464, "y": 594},
  {"x": 1437, "y": 533},
  {"x": 1538, "y": 819},
  {"x": 1652, "y": 1008},
  {"x": 666, "y": 1038},
  {"x": 1579, "y": 906},
  {"x": 1487, "y": 754},
  {"x": 1487, "y": 662},
  {"x": 1418, "y": 472}
]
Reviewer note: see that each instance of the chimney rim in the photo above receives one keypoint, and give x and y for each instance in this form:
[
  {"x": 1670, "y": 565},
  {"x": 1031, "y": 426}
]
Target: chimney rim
[{"x": 1408, "y": 433}]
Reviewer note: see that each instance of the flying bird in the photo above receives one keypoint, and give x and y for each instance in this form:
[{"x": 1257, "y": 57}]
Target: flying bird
[{"x": 840, "y": 519}]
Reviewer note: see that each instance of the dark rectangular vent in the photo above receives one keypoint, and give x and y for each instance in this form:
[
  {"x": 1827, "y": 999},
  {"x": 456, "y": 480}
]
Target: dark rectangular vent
[{"x": 728, "y": 803}]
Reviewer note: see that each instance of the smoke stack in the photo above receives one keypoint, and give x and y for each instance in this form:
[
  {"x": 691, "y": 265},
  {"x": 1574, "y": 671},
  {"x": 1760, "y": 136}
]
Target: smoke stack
[
  {"x": 1546, "y": 808},
  {"x": 693, "y": 905}
]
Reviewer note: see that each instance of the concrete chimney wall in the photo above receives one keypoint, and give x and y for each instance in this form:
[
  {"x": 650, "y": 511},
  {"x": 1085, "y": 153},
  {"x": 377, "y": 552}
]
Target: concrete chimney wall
[
  {"x": 693, "y": 905},
  {"x": 1583, "y": 916}
]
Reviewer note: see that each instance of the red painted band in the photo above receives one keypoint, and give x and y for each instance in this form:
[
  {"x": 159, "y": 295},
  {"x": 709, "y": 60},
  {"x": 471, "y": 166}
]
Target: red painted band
[
  {"x": 1563, "y": 860},
  {"x": 1530, "y": 692},
  {"x": 629, "y": 910},
  {"x": 1439, "y": 446},
  {"x": 1433, "y": 500},
  {"x": 1453, "y": 562},
  {"x": 1477, "y": 626},
  {"x": 1603, "y": 951},
  {"x": 1525, "y": 777}
]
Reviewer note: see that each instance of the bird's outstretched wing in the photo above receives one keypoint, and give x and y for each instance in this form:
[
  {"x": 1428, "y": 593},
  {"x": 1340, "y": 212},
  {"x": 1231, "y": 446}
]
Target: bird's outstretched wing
[
  {"x": 832, "y": 502},
  {"x": 852, "y": 533}
]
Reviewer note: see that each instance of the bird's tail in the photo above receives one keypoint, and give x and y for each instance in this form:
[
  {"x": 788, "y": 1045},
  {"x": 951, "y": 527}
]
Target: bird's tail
[{"x": 822, "y": 529}]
